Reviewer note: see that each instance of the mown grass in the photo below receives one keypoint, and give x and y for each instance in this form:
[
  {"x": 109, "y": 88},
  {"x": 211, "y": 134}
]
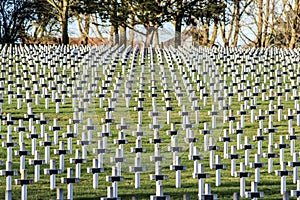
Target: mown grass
[{"x": 270, "y": 184}]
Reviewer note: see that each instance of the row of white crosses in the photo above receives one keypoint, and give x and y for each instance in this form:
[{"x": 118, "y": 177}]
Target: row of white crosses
[
  {"x": 116, "y": 177},
  {"x": 137, "y": 168},
  {"x": 79, "y": 88},
  {"x": 270, "y": 130},
  {"x": 37, "y": 161},
  {"x": 112, "y": 192},
  {"x": 188, "y": 126},
  {"x": 169, "y": 77},
  {"x": 270, "y": 155},
  {"x": 155, "y": 126},
  {"x": 30, "y": 116}
]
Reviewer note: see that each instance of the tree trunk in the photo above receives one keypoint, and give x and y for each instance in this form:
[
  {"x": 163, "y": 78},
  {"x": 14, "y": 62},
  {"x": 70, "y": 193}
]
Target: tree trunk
[
  {"x": 123, "y": 38},
  {"x": 156, "y": 38},
  {"x": 80, "y": 28},
  {"x": 266, "y": 24},
  {"x": 99, "y": 34},
  {"x": 206, "y": 33},
  {"x": 223, "y": 32},
  {"x": 149, "y": 36},
  {"x": 292, "y": 42},
  {"x": 64, "y": 30},
  {"x": 94, "y": 22},
  {"x": 114, "y": 35},
  {"x": 286, "y": 26},
  {"x": 214, "y": 35},
  {"x": 131, "y": 37},
  {"x": 294, "y": 23},
  {"x": 87, "y": 29},
  {"x": 111, "y": 35},
  {"x": 35, "y": 33},
  {"x": 236, "y": 24},
  {"x": 259, "y": 24},
  {"x": 226, "y": 42},
  {"x": 64, "y": 22},
  {"x": 178, "y": 31},
  {"x": 271, "y": 39}
]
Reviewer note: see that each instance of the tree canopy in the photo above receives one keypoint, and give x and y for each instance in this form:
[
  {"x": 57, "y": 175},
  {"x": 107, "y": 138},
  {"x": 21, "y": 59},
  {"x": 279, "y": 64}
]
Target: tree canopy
[{"x": 258, "y": 23}]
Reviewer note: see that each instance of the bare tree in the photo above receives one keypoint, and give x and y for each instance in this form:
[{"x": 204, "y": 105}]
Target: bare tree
[
  {"x": 291, "y": 13},
  {"x": 14, "y": 15},
  {"x": 231, "y": 21},
  {"x": 62, "y": 9},
  {"x": 270, "y": 22},
  {"x": 150, "y": 14},
  {"x": 205, "y": 22},
  {"x": 84, "y": 24}
]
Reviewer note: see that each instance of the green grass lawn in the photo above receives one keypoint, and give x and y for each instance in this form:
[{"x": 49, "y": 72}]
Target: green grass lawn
[{"x": 270, "y": 184}]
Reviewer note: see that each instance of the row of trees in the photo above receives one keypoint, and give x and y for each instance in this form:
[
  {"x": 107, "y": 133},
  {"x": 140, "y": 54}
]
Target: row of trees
[{"x": 258, "y": 23}]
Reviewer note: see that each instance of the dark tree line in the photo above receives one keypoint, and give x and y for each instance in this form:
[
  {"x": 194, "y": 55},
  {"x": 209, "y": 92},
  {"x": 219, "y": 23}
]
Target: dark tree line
[{"x": 204, "y": 20}]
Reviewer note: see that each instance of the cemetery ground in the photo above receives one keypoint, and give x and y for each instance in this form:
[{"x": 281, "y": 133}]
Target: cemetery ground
[{"x": 80, "y": 99}]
